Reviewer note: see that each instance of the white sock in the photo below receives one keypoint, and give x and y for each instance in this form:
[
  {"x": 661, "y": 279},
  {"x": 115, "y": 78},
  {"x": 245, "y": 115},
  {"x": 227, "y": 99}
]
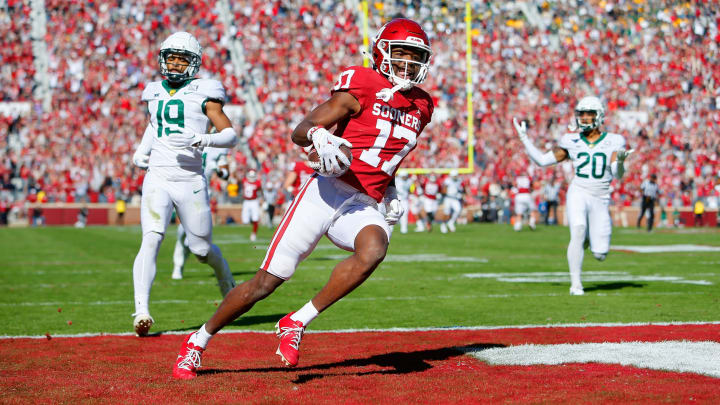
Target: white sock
[
  {"x": 575, "y": 254},
  {"x": 144, "y": 270},
  {"x": 222, "y": 270},
  {"x": 306, "y": 314},
  {"x": 180, "y": 254},
  {"x": 201, "y": 337}
]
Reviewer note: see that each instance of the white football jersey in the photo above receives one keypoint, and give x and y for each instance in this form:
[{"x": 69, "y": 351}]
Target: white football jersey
[
  {"x": 591, "y": 161},
  {"x": 403, "y": 187},
  {"x": 212, "y": 159},
  {"x": 171, "y": 109},
  {"x": 453, "y": 188}
]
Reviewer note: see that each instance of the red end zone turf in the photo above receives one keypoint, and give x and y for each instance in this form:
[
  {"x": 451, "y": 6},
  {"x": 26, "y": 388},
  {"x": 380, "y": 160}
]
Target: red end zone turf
[{"x": 363, "y": 367}]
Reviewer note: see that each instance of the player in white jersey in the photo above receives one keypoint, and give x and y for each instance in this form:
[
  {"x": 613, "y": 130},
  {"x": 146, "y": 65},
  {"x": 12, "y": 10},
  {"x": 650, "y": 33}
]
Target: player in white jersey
[
  {"x": 524, "y": 204},
  {"x": 214, "y": 162},
  {"x": 181, "y": 110},
  {"x": 403, "y": 185},
  {"x": 453, "y": 190},
  {"x": 597, "y": 157}
]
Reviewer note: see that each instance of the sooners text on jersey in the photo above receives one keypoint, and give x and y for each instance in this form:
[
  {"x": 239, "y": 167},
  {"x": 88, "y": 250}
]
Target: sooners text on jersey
[{"x": 382, "y": 133}]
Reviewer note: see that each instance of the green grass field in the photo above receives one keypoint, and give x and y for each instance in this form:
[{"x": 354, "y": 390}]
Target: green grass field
[{"x": 70, "y": 281}]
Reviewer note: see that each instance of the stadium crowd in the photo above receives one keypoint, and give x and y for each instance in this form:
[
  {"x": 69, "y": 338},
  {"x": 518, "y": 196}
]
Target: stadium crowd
[{"x": 655, "y": 64}]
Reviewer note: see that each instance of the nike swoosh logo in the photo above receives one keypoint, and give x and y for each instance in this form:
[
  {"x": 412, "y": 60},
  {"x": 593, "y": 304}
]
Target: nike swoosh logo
[
  {"x": 196, "y": 191},
  {"x": 575, "y": 140}
]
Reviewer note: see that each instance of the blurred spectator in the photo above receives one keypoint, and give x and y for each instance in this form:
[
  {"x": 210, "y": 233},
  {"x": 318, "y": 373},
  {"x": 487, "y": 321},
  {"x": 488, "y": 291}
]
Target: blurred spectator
[
  {"x": 699, "y": 210},
  {"x": 655, "y": 65}
]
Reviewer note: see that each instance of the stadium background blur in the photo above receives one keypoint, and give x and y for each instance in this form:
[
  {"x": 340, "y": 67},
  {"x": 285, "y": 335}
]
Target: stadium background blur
[{"x": 69, "y": 131}]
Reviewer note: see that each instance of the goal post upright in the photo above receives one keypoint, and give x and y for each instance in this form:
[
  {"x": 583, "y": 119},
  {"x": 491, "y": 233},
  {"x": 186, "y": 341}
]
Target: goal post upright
[{"x": 364, "y": 11}]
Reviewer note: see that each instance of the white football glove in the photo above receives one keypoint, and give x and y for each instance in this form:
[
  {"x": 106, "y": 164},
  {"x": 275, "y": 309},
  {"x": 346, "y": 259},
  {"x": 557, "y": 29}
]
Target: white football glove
[
  {"x": 394, "y": 212},
  {"x": 393, "y": 207},
  {"x": 622, "y": 154},
  {"x": 187, "y": 138},
  {"x": 327, "y": 146},
  {"x": 521, "y": 129},
  {"x": 141, "y": 160}
]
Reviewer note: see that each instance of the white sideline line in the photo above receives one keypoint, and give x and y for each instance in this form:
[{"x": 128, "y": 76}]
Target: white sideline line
[
  {"x": 408, "y": 298},
  {"x": 429, "y": 329}
]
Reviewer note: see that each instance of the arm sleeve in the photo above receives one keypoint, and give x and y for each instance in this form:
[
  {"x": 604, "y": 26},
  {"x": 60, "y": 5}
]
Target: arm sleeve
[
  {"x": 227, "y": 138},
  {"x": 540, "y": 159},
  {"x": 146, "y": 142}
]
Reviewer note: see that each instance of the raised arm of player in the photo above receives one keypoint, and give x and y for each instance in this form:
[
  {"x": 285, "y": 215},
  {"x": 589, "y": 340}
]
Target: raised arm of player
[
  {"x": 617, "y": 167},
  {"x": 327, "y": 114},
  {"x": 541, "y": 159}
]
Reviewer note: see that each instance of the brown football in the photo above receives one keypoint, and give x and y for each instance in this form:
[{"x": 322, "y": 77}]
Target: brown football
[{"x": 314, "y": 159}]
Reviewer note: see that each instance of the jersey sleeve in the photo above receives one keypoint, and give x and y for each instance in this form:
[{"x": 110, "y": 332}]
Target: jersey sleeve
[
  {"x": 149, "y": 92},
  {"x": 353, "y": 80},
  {"x": 564, "y": 142},
  {"x": 212, "y": 90},
  {"x": 620, "y": 143}
]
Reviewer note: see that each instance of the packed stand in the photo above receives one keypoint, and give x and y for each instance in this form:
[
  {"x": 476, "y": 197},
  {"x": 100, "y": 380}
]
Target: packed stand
[{"x": 658, "y": 60}]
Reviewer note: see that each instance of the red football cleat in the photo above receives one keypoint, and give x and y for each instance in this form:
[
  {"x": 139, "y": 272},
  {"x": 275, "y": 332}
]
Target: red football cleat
[
  {"x": 290, "y": 333},
  {"x": 188, "y": 360}
]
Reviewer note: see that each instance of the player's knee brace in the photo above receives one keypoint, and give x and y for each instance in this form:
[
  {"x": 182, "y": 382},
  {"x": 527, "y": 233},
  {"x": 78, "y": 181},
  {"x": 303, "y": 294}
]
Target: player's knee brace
[
  {"x": 600, "y": 256},
  {"x": 152, "y": 240},
  {"x": 201, "y": 252}
]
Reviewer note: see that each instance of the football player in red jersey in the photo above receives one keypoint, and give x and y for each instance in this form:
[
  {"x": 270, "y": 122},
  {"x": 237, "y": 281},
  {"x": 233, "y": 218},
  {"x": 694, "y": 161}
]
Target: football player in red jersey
[
  {"x": 379, "y": 113},
  {"x": 251, "y": 187},
  {"x": 298, "y": 173}
]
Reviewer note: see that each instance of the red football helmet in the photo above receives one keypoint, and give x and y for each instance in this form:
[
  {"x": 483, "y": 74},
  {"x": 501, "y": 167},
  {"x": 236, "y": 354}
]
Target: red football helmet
[{"x": 403, "y": 33}]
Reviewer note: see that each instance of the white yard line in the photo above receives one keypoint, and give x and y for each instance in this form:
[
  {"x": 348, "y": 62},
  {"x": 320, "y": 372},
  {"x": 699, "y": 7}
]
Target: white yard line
[{"x": 385, "y": 298}]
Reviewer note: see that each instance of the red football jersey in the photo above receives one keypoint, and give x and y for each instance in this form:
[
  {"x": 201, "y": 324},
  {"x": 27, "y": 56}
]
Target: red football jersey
[
  {"x": 303, "y": 172},
  {"x": 250, "y": 189},
  {"x": 382, "y": 133},
  {"x": 431, "y": 189}
]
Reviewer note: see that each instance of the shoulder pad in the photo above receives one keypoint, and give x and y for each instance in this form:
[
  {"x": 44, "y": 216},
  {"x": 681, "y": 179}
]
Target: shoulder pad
[
  {"x": 152, "y": 91},
  {"x": 211, "y": 89}
]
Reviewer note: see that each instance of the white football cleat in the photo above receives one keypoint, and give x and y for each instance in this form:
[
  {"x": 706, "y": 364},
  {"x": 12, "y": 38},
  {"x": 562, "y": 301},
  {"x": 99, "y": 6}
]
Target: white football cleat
[
  {"x": 253, "y": 237},
  {"x": 577, "y": 291},
  {"x": 142, "y": 324}
]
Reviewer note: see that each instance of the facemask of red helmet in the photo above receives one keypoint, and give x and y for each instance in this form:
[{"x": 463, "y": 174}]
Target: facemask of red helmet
[{"x": 401, "y": 52}]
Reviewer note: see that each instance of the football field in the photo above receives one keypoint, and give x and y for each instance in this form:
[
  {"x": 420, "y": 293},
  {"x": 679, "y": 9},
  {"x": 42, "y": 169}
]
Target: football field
[{"x": 433, "y": 307}]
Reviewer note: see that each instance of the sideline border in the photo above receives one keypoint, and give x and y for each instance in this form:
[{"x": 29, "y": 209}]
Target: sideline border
[{"x": 430, "y": 329}]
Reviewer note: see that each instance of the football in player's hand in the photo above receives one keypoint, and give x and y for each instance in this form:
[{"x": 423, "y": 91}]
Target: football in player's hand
[{"x": 314, "y": 159}]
